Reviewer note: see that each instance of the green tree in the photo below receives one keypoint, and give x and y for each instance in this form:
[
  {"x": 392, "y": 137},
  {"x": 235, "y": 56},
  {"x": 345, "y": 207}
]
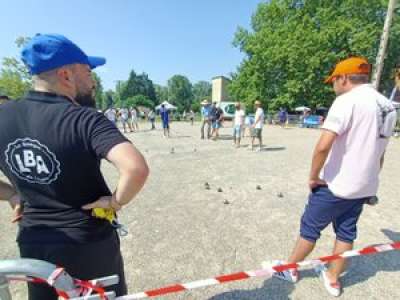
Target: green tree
[
  {"x": 15, "y": 79},
  {"x": 202, "y": 90},
  {"x": 161, "y": 93},
  {"x": 138, "y": 85},
  {"x": 180, "y": 92},
  {"x": 109, "y": 99},
  {"x": 99, "y": 92},
  {"x": 139, "y": 100},
  {"x": 294, "y": 44}
]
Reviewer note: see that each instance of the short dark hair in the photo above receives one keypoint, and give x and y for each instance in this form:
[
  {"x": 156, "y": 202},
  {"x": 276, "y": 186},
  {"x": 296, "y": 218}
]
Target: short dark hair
[
  {"x": 4, "y": 97},
  {"x": 358, "y": 78}
]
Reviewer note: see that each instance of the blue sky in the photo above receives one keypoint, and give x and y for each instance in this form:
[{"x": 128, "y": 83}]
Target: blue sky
[{"x": 159, "y": 37}]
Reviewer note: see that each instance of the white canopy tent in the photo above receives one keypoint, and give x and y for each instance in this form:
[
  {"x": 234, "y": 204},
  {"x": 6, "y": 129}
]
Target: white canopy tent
[
  {"x": 302, "y": 108},
  {"x": 167, "y": 105}
]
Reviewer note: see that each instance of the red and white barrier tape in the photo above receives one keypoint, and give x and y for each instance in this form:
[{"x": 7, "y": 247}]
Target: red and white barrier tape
[{"x": 259, "y": 273}]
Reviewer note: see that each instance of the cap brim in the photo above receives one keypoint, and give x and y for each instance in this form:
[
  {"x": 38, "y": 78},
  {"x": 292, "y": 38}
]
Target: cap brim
[
  {"x": 95, "y": 61},
  {"x": 329, "y": 79}
]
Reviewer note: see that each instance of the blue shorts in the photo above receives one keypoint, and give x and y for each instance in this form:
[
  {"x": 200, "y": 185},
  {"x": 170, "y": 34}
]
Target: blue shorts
[
  {"x": 237, "y": 131},
  {"x": 216, "y": 124},
  {"x": 324, "y": 208}
]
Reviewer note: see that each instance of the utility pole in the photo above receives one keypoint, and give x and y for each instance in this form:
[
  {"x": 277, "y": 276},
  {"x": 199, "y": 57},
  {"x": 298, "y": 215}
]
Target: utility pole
[{"x": 383, "y": 45}]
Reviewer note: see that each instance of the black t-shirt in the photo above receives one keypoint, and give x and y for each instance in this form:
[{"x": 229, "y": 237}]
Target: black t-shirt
[
  {"x": 50, "y": 149},
  {"x": 218, "y": 113},
  {"x": 213, "y": 113}
]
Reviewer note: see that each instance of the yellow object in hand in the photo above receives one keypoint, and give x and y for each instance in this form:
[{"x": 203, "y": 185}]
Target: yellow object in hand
[{"x": 104, "y": 213}]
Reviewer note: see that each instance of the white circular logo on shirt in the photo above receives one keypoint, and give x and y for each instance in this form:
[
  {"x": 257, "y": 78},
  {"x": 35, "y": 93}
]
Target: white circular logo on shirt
[{"x": 32, "y": 161}]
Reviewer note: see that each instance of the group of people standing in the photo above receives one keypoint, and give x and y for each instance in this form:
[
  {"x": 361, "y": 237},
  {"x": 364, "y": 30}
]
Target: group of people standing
[
  {"x": 255, "y": 125},
  {"x": 127, "y": 116},
  {"x": 213, "y": 117}
]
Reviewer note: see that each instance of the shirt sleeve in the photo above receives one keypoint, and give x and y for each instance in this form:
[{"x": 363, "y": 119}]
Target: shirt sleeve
[
  {"x": 103, "y": 135},
  {"x": 339, "y": 116}
]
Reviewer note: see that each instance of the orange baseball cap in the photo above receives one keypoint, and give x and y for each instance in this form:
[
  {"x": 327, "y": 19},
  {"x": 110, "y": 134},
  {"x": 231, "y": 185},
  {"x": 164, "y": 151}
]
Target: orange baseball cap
[{"x": 352, "y": 65}]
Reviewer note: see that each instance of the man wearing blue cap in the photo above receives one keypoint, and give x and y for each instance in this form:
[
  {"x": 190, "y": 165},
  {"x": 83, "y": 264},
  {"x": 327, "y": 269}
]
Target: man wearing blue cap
[{"x": 51, "y": 145}]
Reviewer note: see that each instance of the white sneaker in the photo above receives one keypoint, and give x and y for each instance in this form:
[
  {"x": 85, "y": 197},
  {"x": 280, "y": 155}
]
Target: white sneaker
[
  {"x": 291, "y": 275},
  {"x": 333, "y": 289}
]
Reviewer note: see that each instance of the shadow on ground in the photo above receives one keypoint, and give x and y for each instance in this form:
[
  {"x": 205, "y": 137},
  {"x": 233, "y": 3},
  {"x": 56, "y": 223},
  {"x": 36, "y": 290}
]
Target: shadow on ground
[
  {"x": 273, "y": 148},
  {"x": 272, "y": 289},
  {"x": 360, "y": 269}
]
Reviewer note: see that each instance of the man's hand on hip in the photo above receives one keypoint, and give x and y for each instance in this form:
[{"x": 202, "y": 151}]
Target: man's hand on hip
[
  {"x": 313, "y": 183},
  {"x": 104, "y": 202},
  {"x": 15, "y": 202}
]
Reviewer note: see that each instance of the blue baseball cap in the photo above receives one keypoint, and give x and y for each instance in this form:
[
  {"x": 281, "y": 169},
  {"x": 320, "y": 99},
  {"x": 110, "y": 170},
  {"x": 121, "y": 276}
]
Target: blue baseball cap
[{"x": 45, "y": 52}]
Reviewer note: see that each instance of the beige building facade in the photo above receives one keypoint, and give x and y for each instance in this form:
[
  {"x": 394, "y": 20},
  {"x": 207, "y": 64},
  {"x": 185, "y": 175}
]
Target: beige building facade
[{"x": 220, "y": 89}]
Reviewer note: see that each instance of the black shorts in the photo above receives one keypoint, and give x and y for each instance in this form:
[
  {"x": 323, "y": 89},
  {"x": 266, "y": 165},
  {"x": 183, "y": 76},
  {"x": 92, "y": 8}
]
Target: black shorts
[{"x": 81, "y": 261}]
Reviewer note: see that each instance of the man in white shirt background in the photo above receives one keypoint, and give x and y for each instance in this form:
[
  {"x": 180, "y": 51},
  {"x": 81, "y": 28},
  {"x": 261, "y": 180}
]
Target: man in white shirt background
[
  {"x": 258, "y": 125},
  {"x": 111, "y": 114},
  {"x": 238, "y": 124},
  {"x": 124, "y": 113}
]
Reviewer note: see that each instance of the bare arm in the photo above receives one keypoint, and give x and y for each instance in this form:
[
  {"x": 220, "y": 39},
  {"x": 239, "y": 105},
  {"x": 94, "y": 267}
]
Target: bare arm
[
  {"x": 133, "y": 172},
  {"x": 6, "y": 191},
  {"x": 320, "y": 154},
  {"x": 9, "y": 194}
]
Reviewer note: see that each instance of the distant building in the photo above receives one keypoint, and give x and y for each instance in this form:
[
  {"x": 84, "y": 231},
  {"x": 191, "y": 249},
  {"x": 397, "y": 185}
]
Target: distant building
[{"x": 220, "y": 89}]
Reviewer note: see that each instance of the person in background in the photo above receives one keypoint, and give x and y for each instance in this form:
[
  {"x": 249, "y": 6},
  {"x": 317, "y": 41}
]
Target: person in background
[
  {"x": 124, "y": 113},
  {"x": 152, "y": 119},
  {"x": 164, "y": 113},
  {"x": 134, "y": 119},
  {"x": 238, "y": 124},
  {"x": 258, "y": 125},
  {"x": 191, "y": 117},
  {"x": 205, "y": 118},
  {"x": 217, "y": 117},
  {"x": 111, "y": 114},
  {"x": 282, "y": 115}
]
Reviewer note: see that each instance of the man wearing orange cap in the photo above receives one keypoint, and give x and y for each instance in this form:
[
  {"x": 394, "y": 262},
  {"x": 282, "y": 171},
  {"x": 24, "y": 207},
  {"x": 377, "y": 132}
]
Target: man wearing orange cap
[{"x": 345, "y": 166}]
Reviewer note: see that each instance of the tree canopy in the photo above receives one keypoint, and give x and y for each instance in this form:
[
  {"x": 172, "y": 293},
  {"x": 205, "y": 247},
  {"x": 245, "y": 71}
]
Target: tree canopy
[
  {"x": 138, "y": 85},
  {"x": 294, "y": 44},
  {"x": 99, "y": 96},
  {"x": 180, "y": 92},
  {"x": 15, "y": 79}
]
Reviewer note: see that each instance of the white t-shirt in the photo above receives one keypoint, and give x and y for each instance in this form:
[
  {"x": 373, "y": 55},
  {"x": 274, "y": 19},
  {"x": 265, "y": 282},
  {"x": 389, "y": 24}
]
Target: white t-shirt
[
  {"x": 352, "y": 167},
  {"x": 124, "y": 114},
  {"x": 260, "y": 117},
  {"x": 239, "y": 117},
  {"x": 111, "y": 114},
  {"x": 134, "y": 114}
]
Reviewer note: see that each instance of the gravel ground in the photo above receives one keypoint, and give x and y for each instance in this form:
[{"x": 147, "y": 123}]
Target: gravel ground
[{"x": 180, "y": 232}]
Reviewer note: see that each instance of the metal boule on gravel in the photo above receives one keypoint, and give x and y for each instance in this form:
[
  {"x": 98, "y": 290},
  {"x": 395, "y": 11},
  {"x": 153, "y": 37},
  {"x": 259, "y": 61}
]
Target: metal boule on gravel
[
  {"x": 172, "y": 150},
  {"x": 219, "y": 190},
  {"x": 206, "y": 186},
  {"x": 258, "y": 187},
  {"x": 226, "y": 202},
  {"x": 280, "y": 195}
]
